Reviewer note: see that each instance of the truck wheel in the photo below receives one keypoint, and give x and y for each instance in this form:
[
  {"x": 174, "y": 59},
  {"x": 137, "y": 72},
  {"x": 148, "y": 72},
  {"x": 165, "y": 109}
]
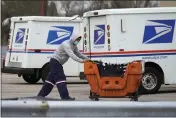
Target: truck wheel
[
  {"x": 151, "y": 81},
  {"x": 31, "y": 79},
  {"x": 44, "y": 73}
]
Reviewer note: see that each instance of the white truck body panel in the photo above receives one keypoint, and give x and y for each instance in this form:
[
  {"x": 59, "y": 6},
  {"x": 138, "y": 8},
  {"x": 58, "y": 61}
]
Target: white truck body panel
[
  {"x": 135, "y": 34},
  {"x": 43, "y": 35}
]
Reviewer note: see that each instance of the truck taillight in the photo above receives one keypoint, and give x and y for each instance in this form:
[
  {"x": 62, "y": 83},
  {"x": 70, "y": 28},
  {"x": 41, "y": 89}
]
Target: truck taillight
[
  {"x": 25, "y": 45},
  {"x": 108, "y": 27},
  {"x": 26, "y": 39},
  {"x": 85, "y": 35},
  {"x": 108, "y": 41},
  {"x": 108, "y": 34},
  {"x": 9, "y": 36},
  {"x": 85, "y": 42}
]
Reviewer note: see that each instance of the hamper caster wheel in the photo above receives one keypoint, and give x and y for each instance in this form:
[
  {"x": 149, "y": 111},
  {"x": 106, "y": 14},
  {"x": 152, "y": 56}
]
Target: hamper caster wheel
[
  {"x": 95, "y": 99},
  {"x": 91, "y": 95},
  {"x": 135, "y": 96},
  {"x": 134, "y": 99}
]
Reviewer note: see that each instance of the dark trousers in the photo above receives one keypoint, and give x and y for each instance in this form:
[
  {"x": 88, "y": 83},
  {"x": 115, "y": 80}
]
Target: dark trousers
[{"x": 56, "y": 77}]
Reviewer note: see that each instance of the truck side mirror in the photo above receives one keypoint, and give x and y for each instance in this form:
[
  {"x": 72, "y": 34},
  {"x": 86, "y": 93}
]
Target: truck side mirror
[{"x": 6, "y": 22}]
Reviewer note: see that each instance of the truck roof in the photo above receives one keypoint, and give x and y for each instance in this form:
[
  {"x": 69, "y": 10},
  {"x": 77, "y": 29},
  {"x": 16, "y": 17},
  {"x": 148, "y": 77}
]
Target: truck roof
[
  {"x": 152, "y": 10},
  {"x": 44, "y": 18}
]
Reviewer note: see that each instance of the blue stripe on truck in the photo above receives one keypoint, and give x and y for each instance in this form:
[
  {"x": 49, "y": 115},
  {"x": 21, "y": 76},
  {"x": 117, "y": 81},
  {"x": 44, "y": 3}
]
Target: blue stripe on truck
[{"x": 107, "y": 55}]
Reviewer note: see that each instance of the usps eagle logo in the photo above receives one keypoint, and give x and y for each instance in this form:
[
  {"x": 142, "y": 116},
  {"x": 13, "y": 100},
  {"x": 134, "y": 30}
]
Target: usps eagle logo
[
  {"x": 58, "y": 34},
  {"x": 99, "y": 34},
  {"x": 159, "y": 31},
  {"x": 20, "y": 35}
]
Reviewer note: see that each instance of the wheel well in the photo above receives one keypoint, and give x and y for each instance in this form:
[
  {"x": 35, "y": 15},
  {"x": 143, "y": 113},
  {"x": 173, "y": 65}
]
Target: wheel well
[{"x": 156, "y": 66}]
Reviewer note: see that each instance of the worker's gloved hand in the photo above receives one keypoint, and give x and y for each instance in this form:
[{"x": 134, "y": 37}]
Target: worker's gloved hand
[{"x": 86, "y": 60}]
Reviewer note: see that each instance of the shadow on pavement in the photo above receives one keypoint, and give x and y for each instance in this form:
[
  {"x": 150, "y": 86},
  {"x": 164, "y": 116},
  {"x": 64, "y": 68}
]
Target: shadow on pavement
[
  {"x": 161, "y": 92},
  {"x": 32, "y": 98},
  {"x": 166, "y": 91}
]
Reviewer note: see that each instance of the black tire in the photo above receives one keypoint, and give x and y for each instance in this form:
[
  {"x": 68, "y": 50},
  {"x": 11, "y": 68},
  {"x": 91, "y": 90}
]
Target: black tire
[
  {"x": 31, "y": 79},
  {"x": 44, "y": 72},
  {"x": 151, "y": 72}
]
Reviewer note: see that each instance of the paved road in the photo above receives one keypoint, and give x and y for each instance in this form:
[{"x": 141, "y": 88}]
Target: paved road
[{"x": 13, "y": 86}]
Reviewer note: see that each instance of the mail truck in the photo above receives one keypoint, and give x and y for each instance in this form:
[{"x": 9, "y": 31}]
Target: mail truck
[
  {"x": 33, "y": 40},
  {"x": 124, "y": 35}
]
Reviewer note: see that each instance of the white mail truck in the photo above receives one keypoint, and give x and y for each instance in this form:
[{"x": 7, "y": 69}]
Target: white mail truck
[
  {"x": 123, "y": 35},
  {"x": 33, "y": 40}
]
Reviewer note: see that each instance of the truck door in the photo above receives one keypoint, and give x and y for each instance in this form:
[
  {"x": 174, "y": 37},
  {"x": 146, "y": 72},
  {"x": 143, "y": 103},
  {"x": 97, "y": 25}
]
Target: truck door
[
  {"x": 97, "y": 40},
  {"x": 18, "y": 41}
]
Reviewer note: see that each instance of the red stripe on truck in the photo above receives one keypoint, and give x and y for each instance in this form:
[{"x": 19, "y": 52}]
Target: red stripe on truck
[
  {"x": 32, "y": 50},
  {"x": 130, "y": 52},
  {"x": 99, "y": 53}
]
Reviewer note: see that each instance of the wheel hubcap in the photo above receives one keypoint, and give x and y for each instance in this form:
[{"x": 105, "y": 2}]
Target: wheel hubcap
[{"x": 149, "y": 81}]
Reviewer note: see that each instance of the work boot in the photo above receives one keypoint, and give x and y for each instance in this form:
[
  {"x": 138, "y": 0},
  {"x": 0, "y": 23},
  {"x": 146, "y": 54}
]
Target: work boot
[
  {"x": 63, "y": 91},
  {"x": 68, "y": 98}
]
